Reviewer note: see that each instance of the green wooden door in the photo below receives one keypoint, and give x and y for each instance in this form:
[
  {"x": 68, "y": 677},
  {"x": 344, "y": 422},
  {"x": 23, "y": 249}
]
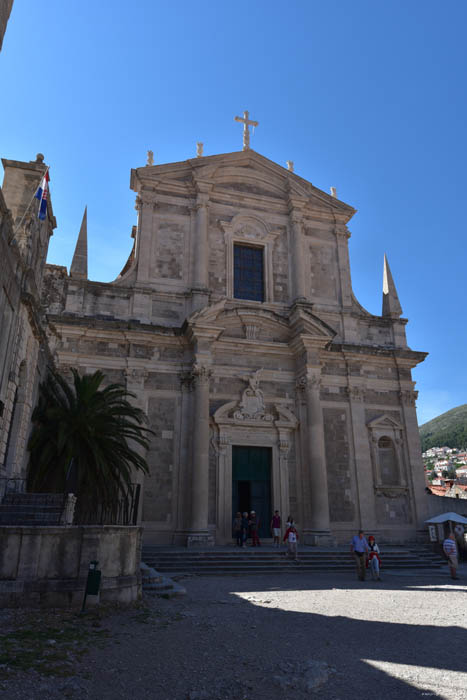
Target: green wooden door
[{"x": 251, "y": 483}]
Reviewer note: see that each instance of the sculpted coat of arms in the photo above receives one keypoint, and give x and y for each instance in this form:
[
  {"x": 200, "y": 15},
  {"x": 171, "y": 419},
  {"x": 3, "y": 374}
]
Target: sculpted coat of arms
[{"x": 252, "y": 406}]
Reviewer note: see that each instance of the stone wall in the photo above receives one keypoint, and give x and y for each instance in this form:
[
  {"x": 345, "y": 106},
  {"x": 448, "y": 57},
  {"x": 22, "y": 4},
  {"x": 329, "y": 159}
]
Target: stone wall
[{"x": 48, "y": 566}]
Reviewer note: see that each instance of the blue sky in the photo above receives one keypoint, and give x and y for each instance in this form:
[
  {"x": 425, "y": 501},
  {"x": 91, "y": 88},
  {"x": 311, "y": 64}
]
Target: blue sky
[{"x": 366, "y": 96}]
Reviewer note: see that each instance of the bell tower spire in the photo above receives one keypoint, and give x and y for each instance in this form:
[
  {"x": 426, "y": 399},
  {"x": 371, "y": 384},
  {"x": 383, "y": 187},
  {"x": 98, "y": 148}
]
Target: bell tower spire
[
  {"x": 79, "y": 264},
  {"x": 391, "y": 304}
]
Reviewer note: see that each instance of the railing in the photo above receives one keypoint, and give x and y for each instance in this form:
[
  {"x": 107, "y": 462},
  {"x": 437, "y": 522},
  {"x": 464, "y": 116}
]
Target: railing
[
  {"x": 123, "y": 511},
  {"x": 14, "y": 497},
  {"x": 11, "y": 485}
]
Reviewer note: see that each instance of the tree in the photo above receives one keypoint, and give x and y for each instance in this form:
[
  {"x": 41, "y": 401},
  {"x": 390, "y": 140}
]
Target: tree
[{"x": 88, "y": 434}]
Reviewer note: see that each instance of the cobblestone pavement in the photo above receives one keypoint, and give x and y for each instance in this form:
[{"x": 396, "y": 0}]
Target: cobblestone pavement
[{"x": 255, "y": 638}]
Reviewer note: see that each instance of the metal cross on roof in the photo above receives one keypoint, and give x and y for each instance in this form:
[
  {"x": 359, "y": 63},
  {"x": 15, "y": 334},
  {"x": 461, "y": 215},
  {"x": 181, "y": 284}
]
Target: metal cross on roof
[{"x": 247, "y": 122}]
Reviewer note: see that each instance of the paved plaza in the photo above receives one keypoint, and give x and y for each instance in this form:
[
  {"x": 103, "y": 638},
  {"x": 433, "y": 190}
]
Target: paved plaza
[{"x": 268, "y": 638}]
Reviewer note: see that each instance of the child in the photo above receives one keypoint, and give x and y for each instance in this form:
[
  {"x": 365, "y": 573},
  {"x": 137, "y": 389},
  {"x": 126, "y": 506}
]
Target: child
[
  {"x": 291, "y": 537},
  {"x": 276, "y": 528}
]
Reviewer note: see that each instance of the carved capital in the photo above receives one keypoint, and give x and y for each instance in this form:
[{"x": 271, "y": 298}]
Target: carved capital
[
  {"x": 313, "y": 381},
  {"x": 355, "y": 393},
  {"x": 134, "y": 374},
  {"x": 342, "y": 232},
  {"x": 201, "y": 374},
  {"x": 202, "y": 200},
  {"x": 408, "y": 397},
  {"x": 148, "y": 198},
  {"x": 284, "y": 447}
]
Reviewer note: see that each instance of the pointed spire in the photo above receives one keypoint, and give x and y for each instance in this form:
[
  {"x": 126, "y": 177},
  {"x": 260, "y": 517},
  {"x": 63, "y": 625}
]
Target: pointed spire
[
  {"x": 79, "y": 264},
  {"x": 391, "y": 305}
]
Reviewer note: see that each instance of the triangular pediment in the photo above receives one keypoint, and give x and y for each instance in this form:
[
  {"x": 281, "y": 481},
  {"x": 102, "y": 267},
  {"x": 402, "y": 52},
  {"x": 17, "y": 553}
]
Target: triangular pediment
[
  {"x": 385, "y": 421},
  {"x": 242, "y": 172}
]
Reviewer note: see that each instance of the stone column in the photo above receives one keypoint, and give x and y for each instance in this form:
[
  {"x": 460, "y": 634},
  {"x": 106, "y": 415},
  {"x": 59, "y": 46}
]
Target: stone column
[
  {"x": 319, "y": 517},
  {"x": 298, "y": 286},
  {"x": 200, "y": 459}
]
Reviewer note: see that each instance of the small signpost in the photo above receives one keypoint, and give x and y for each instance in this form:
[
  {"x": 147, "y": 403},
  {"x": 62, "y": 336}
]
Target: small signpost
[{"x": 92, "y": 584}]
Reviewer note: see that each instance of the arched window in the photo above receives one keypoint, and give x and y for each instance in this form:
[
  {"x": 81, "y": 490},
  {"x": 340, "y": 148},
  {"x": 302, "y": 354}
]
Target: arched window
[{"x": 389, "y": 469}]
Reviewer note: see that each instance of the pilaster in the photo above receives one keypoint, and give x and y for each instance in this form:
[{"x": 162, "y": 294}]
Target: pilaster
[
  {"x": 362, "y": 463},
  {"x": 298, "y": 256}
]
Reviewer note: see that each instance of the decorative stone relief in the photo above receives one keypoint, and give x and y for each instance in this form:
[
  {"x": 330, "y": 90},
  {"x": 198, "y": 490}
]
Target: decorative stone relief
[
  {"x": 300, "y": 384},
  {"x": 186, "y": 380},
  {"x": 252, "y": 406},
  {"x": 251, "y": 332}
]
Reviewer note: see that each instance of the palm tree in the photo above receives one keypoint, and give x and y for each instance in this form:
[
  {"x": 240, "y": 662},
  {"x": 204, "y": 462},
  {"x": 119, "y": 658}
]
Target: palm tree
[{"x": 86, "y": 434}]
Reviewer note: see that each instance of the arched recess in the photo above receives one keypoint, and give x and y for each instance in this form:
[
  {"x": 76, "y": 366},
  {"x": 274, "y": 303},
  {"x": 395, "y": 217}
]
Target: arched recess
[{"x": 387, "y": 437}]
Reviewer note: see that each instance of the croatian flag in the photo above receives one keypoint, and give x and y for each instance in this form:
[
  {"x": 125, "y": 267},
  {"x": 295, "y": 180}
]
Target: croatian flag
[{"x": 42, "y": 194}]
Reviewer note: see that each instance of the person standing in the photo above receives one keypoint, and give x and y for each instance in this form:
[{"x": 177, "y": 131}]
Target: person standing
[
  {"x": 237, "y": 528},
  {"x": 291, "y": 537},
  {"x": 254, "y": 527},
  {"x": 276, "y": 528},
  {"x": 459, "y": 533},
  {"x": 374, "y": 560},
  {"x": 245, "y": 528},
  {"x": 359, "y": 550},
  {"x": 450, "y": 550}
]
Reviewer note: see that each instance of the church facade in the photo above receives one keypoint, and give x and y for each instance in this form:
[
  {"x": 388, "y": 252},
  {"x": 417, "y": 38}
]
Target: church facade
[{"x": 267, "y": 384}]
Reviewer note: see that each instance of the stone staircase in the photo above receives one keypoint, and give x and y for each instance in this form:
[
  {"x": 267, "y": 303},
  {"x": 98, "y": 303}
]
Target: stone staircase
[
  {"x": 32, "y": 509},
  {"x": 228, "y": 561}
]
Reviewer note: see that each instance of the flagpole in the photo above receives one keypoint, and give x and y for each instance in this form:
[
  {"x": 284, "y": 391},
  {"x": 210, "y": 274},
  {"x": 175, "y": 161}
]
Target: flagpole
[{"x": 29, "y": 205}]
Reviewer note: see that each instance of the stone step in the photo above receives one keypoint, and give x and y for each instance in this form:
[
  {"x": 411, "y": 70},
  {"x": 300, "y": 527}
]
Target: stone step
[
  {"x": 155, "y": 584},
  {"x": 224, "y": 562}
]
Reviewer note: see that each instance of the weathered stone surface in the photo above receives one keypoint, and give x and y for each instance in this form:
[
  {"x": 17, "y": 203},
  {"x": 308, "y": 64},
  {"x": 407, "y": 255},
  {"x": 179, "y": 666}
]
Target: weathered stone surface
[{"x": 341, "y": 506}]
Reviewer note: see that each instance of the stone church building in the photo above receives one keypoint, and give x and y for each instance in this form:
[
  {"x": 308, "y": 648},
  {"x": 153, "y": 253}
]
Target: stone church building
[{"x": 267, "y": 384}]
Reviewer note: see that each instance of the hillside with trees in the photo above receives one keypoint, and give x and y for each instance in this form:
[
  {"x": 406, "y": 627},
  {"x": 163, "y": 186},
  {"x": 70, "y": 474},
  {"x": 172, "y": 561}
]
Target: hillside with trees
[{"x": 449, "y": 429}]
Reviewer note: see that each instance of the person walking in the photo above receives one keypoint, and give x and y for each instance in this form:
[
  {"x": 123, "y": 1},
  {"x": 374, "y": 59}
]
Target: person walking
[
  {"x": 245, "y": 528},
  {"x": 359, "y": 550},
  {"x": 237, "y": 529},
  {"x": 276, "y": 528},
  {"x": 254, "y": 527},
  {"x": 460, "y": 540},
  {"x": 374, "y": 559},
  {"x": 450, "y": 550},
  {"x": 291, "y": 538}
]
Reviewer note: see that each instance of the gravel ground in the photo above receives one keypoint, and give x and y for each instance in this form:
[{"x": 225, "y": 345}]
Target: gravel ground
[{"x": 251, "y": 638}]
